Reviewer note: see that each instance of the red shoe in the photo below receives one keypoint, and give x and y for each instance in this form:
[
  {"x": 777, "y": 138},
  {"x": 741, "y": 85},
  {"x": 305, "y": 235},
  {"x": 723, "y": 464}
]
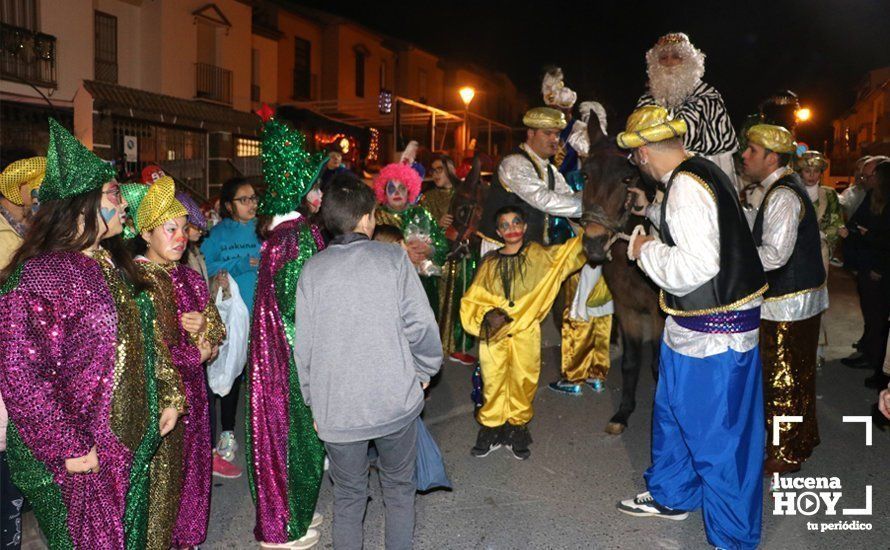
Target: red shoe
[
  {"x": 225, "y": 469},
  {"x": 463, "y": 358}
]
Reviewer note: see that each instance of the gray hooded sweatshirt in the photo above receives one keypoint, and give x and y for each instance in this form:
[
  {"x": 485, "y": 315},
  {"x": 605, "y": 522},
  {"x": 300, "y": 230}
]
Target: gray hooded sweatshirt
[{"x": 365, "y": 339}]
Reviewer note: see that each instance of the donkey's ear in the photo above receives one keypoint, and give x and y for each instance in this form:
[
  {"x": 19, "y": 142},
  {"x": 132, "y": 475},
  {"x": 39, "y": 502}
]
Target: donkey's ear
[
  {"x": 594, "y": 132},
  {"x": 475, "y": 173}
]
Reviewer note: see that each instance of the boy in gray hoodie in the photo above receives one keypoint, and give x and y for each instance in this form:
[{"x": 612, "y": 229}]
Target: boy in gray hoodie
[{"x": 366, "y": 344}]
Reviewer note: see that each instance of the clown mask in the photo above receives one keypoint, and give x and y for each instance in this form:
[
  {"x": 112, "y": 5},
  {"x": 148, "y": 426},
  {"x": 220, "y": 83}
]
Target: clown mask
[{"x": 396, "y": 195}]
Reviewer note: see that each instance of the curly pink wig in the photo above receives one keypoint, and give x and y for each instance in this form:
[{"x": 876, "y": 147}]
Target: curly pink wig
[{"x": 397, "y": 172}]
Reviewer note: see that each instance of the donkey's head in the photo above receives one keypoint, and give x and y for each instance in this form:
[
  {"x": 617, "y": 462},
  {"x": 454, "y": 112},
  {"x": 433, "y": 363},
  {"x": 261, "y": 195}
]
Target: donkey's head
[{"x": 607, "y": 176}]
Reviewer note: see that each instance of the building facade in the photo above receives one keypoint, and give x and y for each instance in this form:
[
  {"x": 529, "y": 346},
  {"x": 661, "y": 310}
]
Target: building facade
[
  {"x": 865, "y": 128},
  {"x": 164, "y": 82},
  {"x": 174, "y": 83}
]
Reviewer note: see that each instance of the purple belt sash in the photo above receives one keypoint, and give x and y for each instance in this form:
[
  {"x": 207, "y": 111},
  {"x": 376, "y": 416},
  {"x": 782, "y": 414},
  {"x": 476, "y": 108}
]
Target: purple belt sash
[{"x": 728, "y": 322}]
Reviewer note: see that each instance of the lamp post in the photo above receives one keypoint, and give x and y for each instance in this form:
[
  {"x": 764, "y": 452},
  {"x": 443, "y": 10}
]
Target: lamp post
[
  {"x": 803, "y": 114},
  {"x": 467, "y": 93}
]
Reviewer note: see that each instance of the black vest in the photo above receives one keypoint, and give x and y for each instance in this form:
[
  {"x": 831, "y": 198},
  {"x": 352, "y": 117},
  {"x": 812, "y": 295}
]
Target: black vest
[
  {"x": 499, "y": 196},
  {"x": 741, "y": 277},
  {"x": 804, "y": 269}
]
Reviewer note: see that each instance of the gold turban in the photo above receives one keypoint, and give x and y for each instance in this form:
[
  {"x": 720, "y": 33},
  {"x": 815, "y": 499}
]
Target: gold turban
[
  {"x": 26, "y": 171},
  {"x": 650, "y": 124},
  {"x": 159, "y": 205},
  {"x": 544, "y": 118},
  {"x": 775, "y": 138},
  {"x": 812, "y": 159}
]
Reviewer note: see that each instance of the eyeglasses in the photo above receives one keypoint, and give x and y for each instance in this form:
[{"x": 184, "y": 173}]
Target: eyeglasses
[
  {"x": 631, "y": 159},
  {"x": 253, "y": 199},
  {"x": 437, "y": 169},
  {"x": 114, "y": 194}
]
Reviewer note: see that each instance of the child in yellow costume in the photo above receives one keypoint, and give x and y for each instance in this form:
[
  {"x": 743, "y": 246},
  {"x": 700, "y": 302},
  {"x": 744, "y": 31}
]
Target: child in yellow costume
[
  {"x": 510, "y": 296},
  {"x": 586, "y": 327}
]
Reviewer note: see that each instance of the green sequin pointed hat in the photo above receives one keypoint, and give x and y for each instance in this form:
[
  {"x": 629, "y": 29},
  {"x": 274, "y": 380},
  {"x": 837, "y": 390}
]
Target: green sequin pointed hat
[
  {"x": 71, "y": 168},
  {"x": 289, "y": 170},
  {"x": 133, "y": 193}
]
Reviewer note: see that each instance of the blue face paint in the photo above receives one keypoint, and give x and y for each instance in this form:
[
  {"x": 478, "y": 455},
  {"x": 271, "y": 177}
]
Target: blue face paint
[{"x": 108, "y": 213}]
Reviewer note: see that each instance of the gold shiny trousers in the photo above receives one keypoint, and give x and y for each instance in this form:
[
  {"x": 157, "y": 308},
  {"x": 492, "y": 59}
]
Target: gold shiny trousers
[
  {"x": 788, "y": 351},
  {"x": 585, "y": 347},
  {"x": 164, "y": 489},
  {"x": 510, "y": 369},
  {"x": 456, "y": 277}
]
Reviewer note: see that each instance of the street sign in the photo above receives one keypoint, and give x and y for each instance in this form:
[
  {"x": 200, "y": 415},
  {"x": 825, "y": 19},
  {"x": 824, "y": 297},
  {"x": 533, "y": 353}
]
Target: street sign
[{"x": 131, "y": 148}]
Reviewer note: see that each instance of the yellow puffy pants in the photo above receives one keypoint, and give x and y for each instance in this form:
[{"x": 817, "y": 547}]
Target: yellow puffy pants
[
  {"x": 585, "y": 347},
  {"x": 510, "y": 369}
]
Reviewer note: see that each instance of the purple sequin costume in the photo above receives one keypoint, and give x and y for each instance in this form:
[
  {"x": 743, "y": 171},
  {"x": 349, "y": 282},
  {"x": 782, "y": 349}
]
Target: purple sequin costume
[
  {"x": 71, "y": 380},
  {"x": 190, "y": 291},
  {"x": 285, "y": 455}
]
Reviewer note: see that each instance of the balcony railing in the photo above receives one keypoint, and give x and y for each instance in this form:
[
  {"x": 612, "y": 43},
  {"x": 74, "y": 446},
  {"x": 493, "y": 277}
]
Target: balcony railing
[
  {"x": 27, "y": 56},
  {"x": 213, "y": 83}
]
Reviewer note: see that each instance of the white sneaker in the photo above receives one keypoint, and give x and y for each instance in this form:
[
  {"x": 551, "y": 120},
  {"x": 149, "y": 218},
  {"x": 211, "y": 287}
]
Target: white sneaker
[
  {"x": 316, "y": 520},
  {"x": 308, "y": 540},
  {"x": 226, "y": 447}
]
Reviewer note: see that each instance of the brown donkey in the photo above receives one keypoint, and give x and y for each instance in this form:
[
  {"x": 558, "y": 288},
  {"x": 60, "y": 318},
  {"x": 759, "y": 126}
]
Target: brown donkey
[{"x": 608, "y": 175}]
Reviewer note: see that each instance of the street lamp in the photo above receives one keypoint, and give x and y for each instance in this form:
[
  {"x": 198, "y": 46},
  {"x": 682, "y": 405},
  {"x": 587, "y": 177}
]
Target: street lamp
[
  {"x": 467, "y": 93},
  {"x": 803, "y": 114}
]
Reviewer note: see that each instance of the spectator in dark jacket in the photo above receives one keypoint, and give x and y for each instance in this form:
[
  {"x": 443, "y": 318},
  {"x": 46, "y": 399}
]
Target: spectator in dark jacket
[
  {"x": 859, "y": 257},
  {"x": 875, "y": 282}
]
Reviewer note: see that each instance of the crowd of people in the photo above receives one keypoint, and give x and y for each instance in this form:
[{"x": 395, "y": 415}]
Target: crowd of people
[{"x": 115, "y": 298}]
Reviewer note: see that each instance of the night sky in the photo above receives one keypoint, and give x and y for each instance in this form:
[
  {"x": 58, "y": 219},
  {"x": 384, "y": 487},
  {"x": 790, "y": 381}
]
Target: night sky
[{"x": 818, "y": 48}]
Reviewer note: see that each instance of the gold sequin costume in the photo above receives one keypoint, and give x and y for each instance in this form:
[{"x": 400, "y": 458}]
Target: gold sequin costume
[
  {"x": 511, "y": 358},
  {"x": 789, "y": 386},
  {"x": 166, "y": 466}
]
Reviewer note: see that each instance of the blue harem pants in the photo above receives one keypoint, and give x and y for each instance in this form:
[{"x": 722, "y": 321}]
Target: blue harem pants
[{"x": 708, "y": 441}]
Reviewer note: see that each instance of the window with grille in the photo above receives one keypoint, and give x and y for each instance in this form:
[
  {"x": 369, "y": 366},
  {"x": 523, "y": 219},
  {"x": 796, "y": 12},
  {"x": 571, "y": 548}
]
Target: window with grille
[
  {"x": 302, "y": 69},
  {"x": 422, "y": 85},
  {"x": 106, "y": 47},
  {"x": 19, "y": 13},
  {"x": 254, "y": 75},
  {"x": 360, "y": 74}
]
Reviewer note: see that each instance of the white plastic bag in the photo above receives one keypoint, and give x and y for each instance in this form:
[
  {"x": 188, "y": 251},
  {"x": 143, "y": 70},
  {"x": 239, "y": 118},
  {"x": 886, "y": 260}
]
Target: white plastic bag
[{"x": 222, "y": 371}]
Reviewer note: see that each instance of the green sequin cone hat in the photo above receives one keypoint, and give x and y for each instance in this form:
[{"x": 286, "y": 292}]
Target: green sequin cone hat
[
  {"x": 289, "y": 170},
  {"x": 71, "y": 168},
  {"x": 133, "y": 193}
]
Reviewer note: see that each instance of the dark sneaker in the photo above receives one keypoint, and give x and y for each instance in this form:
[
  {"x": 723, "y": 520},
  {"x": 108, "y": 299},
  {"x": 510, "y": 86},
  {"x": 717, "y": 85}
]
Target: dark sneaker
[
  {"x": 856, "y": 361},
  {"x": 565, "y": 387},
  {"x": 877, "y": 381},
  {"x": 518, "y": 440},
  {"x": 488, "y": 440},
  {"x": 644, "y": 506}
]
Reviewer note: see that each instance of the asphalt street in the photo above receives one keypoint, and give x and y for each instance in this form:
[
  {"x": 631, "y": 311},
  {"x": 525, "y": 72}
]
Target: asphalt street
[{"x": 564, "y": 496}]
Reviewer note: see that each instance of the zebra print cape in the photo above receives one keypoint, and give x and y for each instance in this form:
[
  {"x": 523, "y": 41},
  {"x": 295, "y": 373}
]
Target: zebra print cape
[{"x": 710, "y": 130}]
